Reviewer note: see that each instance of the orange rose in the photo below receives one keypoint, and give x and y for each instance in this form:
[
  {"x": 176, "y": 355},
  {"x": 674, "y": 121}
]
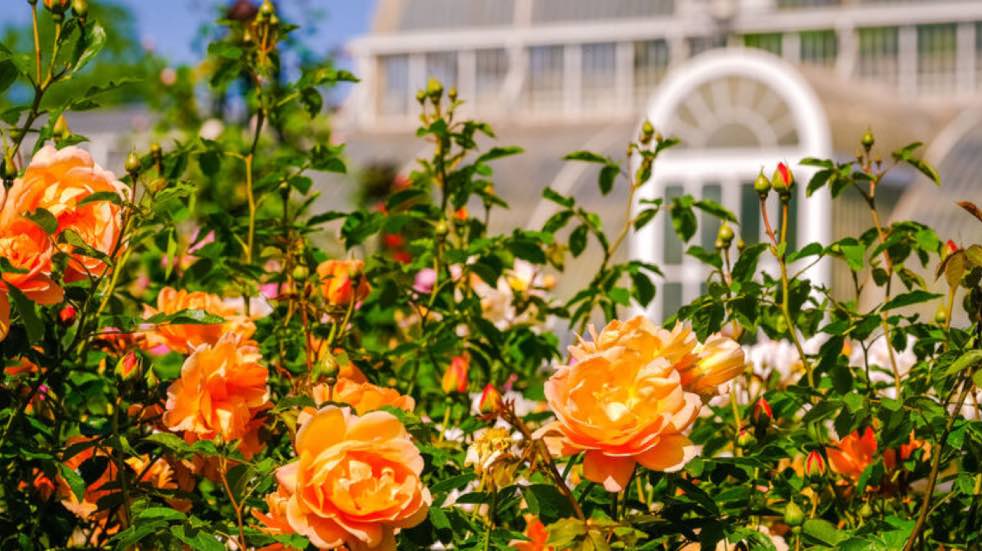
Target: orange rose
[
  {"x": 219, "y": 390},
  {"x": 342, "y": 281},
  {"x": 719, "y": 359},
  {"x": 28, "y": 249},
  {"x": 851, "y": 455},
  {"x": 356, "y": 480},
  {"x": 538, "y": 536},
  {"x": 623, "y": 403},
  {"x": 186, "y": 337},
  {"x": 455, "y": 377},
  {"x": 57, "y": 181},
  {"x": 362, "y": 397}
]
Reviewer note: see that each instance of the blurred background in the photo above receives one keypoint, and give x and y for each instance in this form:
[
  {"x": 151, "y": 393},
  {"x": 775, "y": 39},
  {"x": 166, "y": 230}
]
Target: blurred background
[{"x": 745, "y": 84}]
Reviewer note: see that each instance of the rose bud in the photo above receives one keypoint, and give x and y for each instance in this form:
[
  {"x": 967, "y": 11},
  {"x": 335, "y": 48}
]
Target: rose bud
[
  {"x": 490, "y": 402},
  {"x": 762, "y": 413},
  {"x": 67, "y": 315},
  {"x": 746, "y": 439},
  {"x": 814, "y": 465},
  {"x": 128, "y": 366},
  {"x": 57, "y": 6},
  {"x": 948, "y": 248},
  {"x": 783, "y": 179},
  {"x": 455, "y": 377},
  {"x": 793, "y": 515}
]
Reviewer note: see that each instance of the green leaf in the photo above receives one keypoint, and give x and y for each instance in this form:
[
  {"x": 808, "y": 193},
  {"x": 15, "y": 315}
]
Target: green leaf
[
  {"x": 716, "y": 209},
  {"x": 226, "y": 50},
  {"x": 683, "y": 219},
  {"x": 555, "y": 197},
  {"x": 8, "y": 74},
  {"x": 74, "y": 480},
  {"x": 746, "y": 265},
  {"x": 823, "y": 531},
  {"x": 185, "y": 317},
  {"x": 967, "y": 360},
  {"x": 94, "y": 40},
  {"x": 28, "y": 314},
  {"x": 577, "y": 239},
  {"x": 312, "y": 101},
  {"x": 160, "y": 513},
  {"x": 108, "y": 196},
  {"x": 811, "y": 249},
  {"x": 644, "y": 290},
  {"x": 914, "y": 297},
  {"x": 497, "y": 153},
  {"x": 587, "y": 156},
  {"x": 607, "y": 176},
  {"x": 44, "y": 219}
]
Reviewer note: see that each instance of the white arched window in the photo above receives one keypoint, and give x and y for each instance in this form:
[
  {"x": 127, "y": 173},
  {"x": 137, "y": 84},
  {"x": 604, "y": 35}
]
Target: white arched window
[{"x": 735, "y": 111}]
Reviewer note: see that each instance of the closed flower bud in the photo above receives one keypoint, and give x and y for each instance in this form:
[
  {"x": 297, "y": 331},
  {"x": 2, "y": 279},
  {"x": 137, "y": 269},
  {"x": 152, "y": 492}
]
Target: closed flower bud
[
  {"x": 725, "y": 234},
  {"x": 647, "y": 132},
  {"x": 490, "y": 402},
  {"x": 814, "y": 465},
  {"x": 133, "y": 163},
  {"x": 941, "y": 315},
  {"x": 455, "y": 377},
  {"x": 129, "y": 365},
  {"x": 434, "y": 89},
  {"x": 948, "y": 248},
  {"x": 741, "y": 244},
  {"x": 67, "y": 315},
  {"x": 57, "y": 6},
  {"x": 761, "y": 184},
  {"x": 267, "y": 9},
  {"x": 60, "y": 128},
  {"x": 452, "y": 93},
  {"x": 156, "y": 152},
  {"x": 783, "y": 179},
  {"x": 762, "y": 413},
  {"x": 868, "y": 140},
  {"x": 746, "y": 439},
  {"x": 793, "y": 515},
  {"x": 421, "y": 96},
  {"x": 80, "y": 7},
  {"x": 9, "y": 168}
]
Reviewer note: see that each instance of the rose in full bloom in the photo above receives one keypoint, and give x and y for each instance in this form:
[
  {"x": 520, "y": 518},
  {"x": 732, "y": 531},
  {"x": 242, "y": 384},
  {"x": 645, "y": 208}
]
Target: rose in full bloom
[
  {"x": 343, "y": 281},
  {"x": 220, "y": 389},
  {"x": 850, "y": 456},
  {"x": 362, "y": 396},
  {"x": 356, "y": 481},
  {"x": 59, "y": 181},
  {"x": 28, "y": 249},
  {"x": 186, "y": 337},
  {"x": 622, "y": 401}
]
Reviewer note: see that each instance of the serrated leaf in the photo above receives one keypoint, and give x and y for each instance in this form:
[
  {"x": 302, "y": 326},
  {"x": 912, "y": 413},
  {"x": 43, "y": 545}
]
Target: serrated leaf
[
  {"x": 577, "y": 239},
  {"x": 965, "y": 361},
  {"x": 99, "y": 196},
  {"x": 74, "y": 480},
  {"x": 28, "y": 314},
  {"x": 44, "y": 220},
  {"x": 716, "y": 209},
  {"x": 607, "y": 176},
  {"x": 587, "y": 156}
]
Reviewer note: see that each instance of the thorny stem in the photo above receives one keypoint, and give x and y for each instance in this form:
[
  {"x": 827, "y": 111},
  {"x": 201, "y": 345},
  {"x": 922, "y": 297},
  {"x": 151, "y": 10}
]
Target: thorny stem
[{"x": 936, "y": 466}]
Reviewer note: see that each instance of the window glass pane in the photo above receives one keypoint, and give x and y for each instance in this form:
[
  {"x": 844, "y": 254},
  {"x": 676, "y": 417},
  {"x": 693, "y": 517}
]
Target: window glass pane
[
  {"x": 598, "y": 64},
  {"x": 393, "y": 85},
  {"x": 491, "y": 67},
  {"x": 709, "y": 224},
  {"x": 673, "y": 246},
  {"x": 650, "y": 64},
  {"x": 819, "y": 47},
  {"x": 443, "y": 67},
  {"x": 545, "y": 78},
  {"x": 671, "y": 298},
  {"x": 770, "y": 42},
  {"x": 749, "y": 213},
  {"x": 878, "y": 50},
  {"x": 936, "y": 48}
]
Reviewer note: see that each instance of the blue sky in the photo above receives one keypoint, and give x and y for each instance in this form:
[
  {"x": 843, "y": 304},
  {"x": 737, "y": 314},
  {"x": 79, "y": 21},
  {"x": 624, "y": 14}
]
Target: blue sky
[{"x": 171, "y": 25}]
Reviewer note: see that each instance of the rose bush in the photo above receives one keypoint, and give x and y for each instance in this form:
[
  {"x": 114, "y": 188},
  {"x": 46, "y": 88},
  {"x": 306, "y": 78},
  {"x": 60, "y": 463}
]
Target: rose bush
[{"x": 195, "y": 359}]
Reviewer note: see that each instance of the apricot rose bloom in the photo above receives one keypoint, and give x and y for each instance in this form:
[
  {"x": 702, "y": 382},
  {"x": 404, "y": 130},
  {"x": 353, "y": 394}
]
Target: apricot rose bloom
[
  {"x": 59, "y": 181},
  {"x": 186, "y": 337},
  {"x": 27, "y": 248},
  {"x": 343, "y": 281},
  {"x": 220, "y": 389},
  {"x": 623, "y": 401},
  {"x": 356, "y": 481},
  {"x": 362, "y": 396}
]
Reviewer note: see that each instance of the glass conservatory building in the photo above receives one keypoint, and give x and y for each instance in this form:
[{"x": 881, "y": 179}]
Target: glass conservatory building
[{"x": 744, "y": 83}]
